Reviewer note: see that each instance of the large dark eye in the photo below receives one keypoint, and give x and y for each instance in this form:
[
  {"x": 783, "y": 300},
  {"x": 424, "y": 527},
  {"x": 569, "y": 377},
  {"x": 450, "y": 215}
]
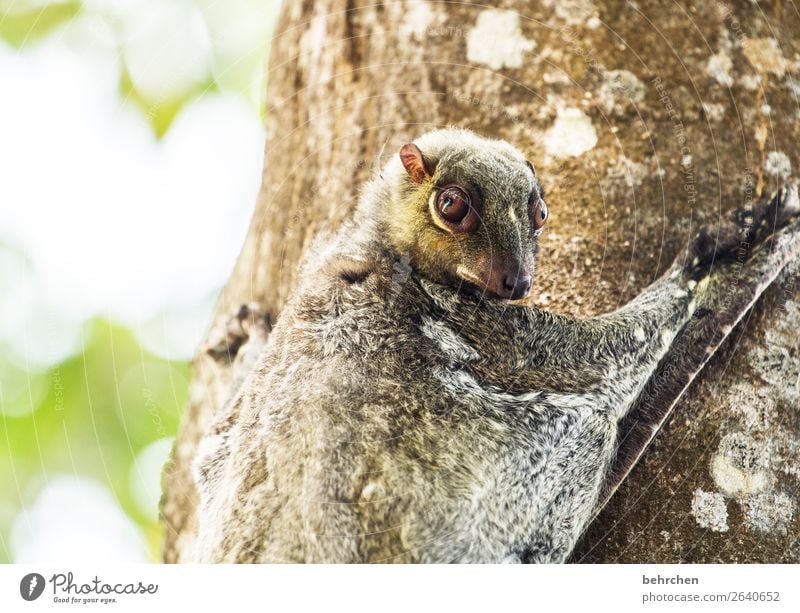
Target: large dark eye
[
  {"x": 453, "y": 204},
  {"x": 456, "y": 209},
  {"x": 539, "y": 213}
]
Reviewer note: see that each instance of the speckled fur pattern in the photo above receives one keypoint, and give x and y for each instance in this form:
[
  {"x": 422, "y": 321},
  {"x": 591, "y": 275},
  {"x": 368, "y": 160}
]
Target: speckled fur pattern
[{"x": 407, "y": 420}]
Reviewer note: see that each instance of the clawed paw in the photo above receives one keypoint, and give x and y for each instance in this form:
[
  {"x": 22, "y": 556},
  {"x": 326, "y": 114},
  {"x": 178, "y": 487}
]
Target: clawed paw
[{"x": 749, "y": 226}]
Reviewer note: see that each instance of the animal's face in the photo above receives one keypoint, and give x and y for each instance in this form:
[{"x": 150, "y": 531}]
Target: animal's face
[{"x": 471, "y": 211}]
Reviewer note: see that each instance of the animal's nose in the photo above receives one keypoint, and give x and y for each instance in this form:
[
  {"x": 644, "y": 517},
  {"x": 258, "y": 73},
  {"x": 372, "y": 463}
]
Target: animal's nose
[{"x": 516, "y": 287}]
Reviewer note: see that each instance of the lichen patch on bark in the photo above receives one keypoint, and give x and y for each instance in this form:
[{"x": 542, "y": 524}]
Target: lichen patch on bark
[
  {"x": 571, "y": 135},
  {"x": 710, "y": 511},
  {"x": 497, "y": 41},
  {"x": 765, "y": 55}
]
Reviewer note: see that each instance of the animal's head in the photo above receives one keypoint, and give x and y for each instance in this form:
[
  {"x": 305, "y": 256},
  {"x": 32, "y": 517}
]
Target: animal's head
[{"x": 465, "y": 209}]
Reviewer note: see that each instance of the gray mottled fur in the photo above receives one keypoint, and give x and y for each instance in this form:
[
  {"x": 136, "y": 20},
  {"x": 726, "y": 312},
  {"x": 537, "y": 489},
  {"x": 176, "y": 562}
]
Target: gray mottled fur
[{"x": 401, "y": 418}]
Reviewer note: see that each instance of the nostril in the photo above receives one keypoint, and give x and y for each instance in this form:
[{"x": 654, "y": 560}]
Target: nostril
[
  {"x": 521, "y": 287},
  {"x": 515, "y": 287}
]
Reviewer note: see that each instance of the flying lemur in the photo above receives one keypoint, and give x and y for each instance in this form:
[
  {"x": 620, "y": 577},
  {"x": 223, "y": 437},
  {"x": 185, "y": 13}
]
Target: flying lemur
[{"x": 408, "y": 406}]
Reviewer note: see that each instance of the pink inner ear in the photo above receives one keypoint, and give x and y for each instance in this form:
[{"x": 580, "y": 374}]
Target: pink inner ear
[{"x": 413, "y": 162}]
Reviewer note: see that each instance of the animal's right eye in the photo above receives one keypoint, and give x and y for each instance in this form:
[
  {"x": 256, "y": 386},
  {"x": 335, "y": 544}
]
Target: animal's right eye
[
  {"x": 454, "y": 207},
  {"x": 453, "y": 204}
]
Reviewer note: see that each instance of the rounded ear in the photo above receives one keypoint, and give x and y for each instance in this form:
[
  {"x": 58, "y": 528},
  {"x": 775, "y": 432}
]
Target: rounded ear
[
  {"x": 530, "y": 165},
  {"x": 415, "y": 163}
]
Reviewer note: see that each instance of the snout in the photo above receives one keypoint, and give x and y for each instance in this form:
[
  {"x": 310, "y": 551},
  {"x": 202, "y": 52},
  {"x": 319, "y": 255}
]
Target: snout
[
  {"x": 514, "y": 286},
  {"x": 507, "y": 280}
]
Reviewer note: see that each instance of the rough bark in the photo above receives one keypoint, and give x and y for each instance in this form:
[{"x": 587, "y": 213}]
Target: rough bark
[{"x": 694, "y": 108}]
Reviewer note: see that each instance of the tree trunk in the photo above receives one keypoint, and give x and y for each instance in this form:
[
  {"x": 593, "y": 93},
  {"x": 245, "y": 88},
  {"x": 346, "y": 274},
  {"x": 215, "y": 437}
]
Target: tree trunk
[{"x": 644, "y": 120}]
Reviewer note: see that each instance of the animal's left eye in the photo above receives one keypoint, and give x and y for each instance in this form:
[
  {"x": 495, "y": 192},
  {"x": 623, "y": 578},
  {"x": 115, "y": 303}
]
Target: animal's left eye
[{"x": 539, "y": 213}]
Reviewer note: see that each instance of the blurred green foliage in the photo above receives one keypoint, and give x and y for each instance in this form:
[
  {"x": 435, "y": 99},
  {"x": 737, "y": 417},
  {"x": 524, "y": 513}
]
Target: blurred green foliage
[
  {"x": 99, "y": 409},
  {"x": 92, "y": 414},
  {"x": 30, "y": 23},
  {"x": 24, "y": 24},
  {"x": 162, "y": 113}
]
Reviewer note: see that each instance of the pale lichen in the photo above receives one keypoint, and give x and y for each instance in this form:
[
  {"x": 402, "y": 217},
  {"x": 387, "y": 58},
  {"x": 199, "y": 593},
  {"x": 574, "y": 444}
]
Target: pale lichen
[
  {"x": 497, "y": 41},
  {"x": 775, "y": 360},
  {"x": 571, "y": 135},
  {"x": 710, "y": 511},
  {"x": 574, "y": 12},
  {"x": 417, "y": 21},
  {"x": 753, "y": 463},
  {"x": 778, "y": 164},
  {"x": 719, "y": 67},
  {"x": 769, "y": 512},
  {"x": 739, "y": 466},
  {"x": 751, "y": 82},
  {"x": 765, "y": 55}
]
